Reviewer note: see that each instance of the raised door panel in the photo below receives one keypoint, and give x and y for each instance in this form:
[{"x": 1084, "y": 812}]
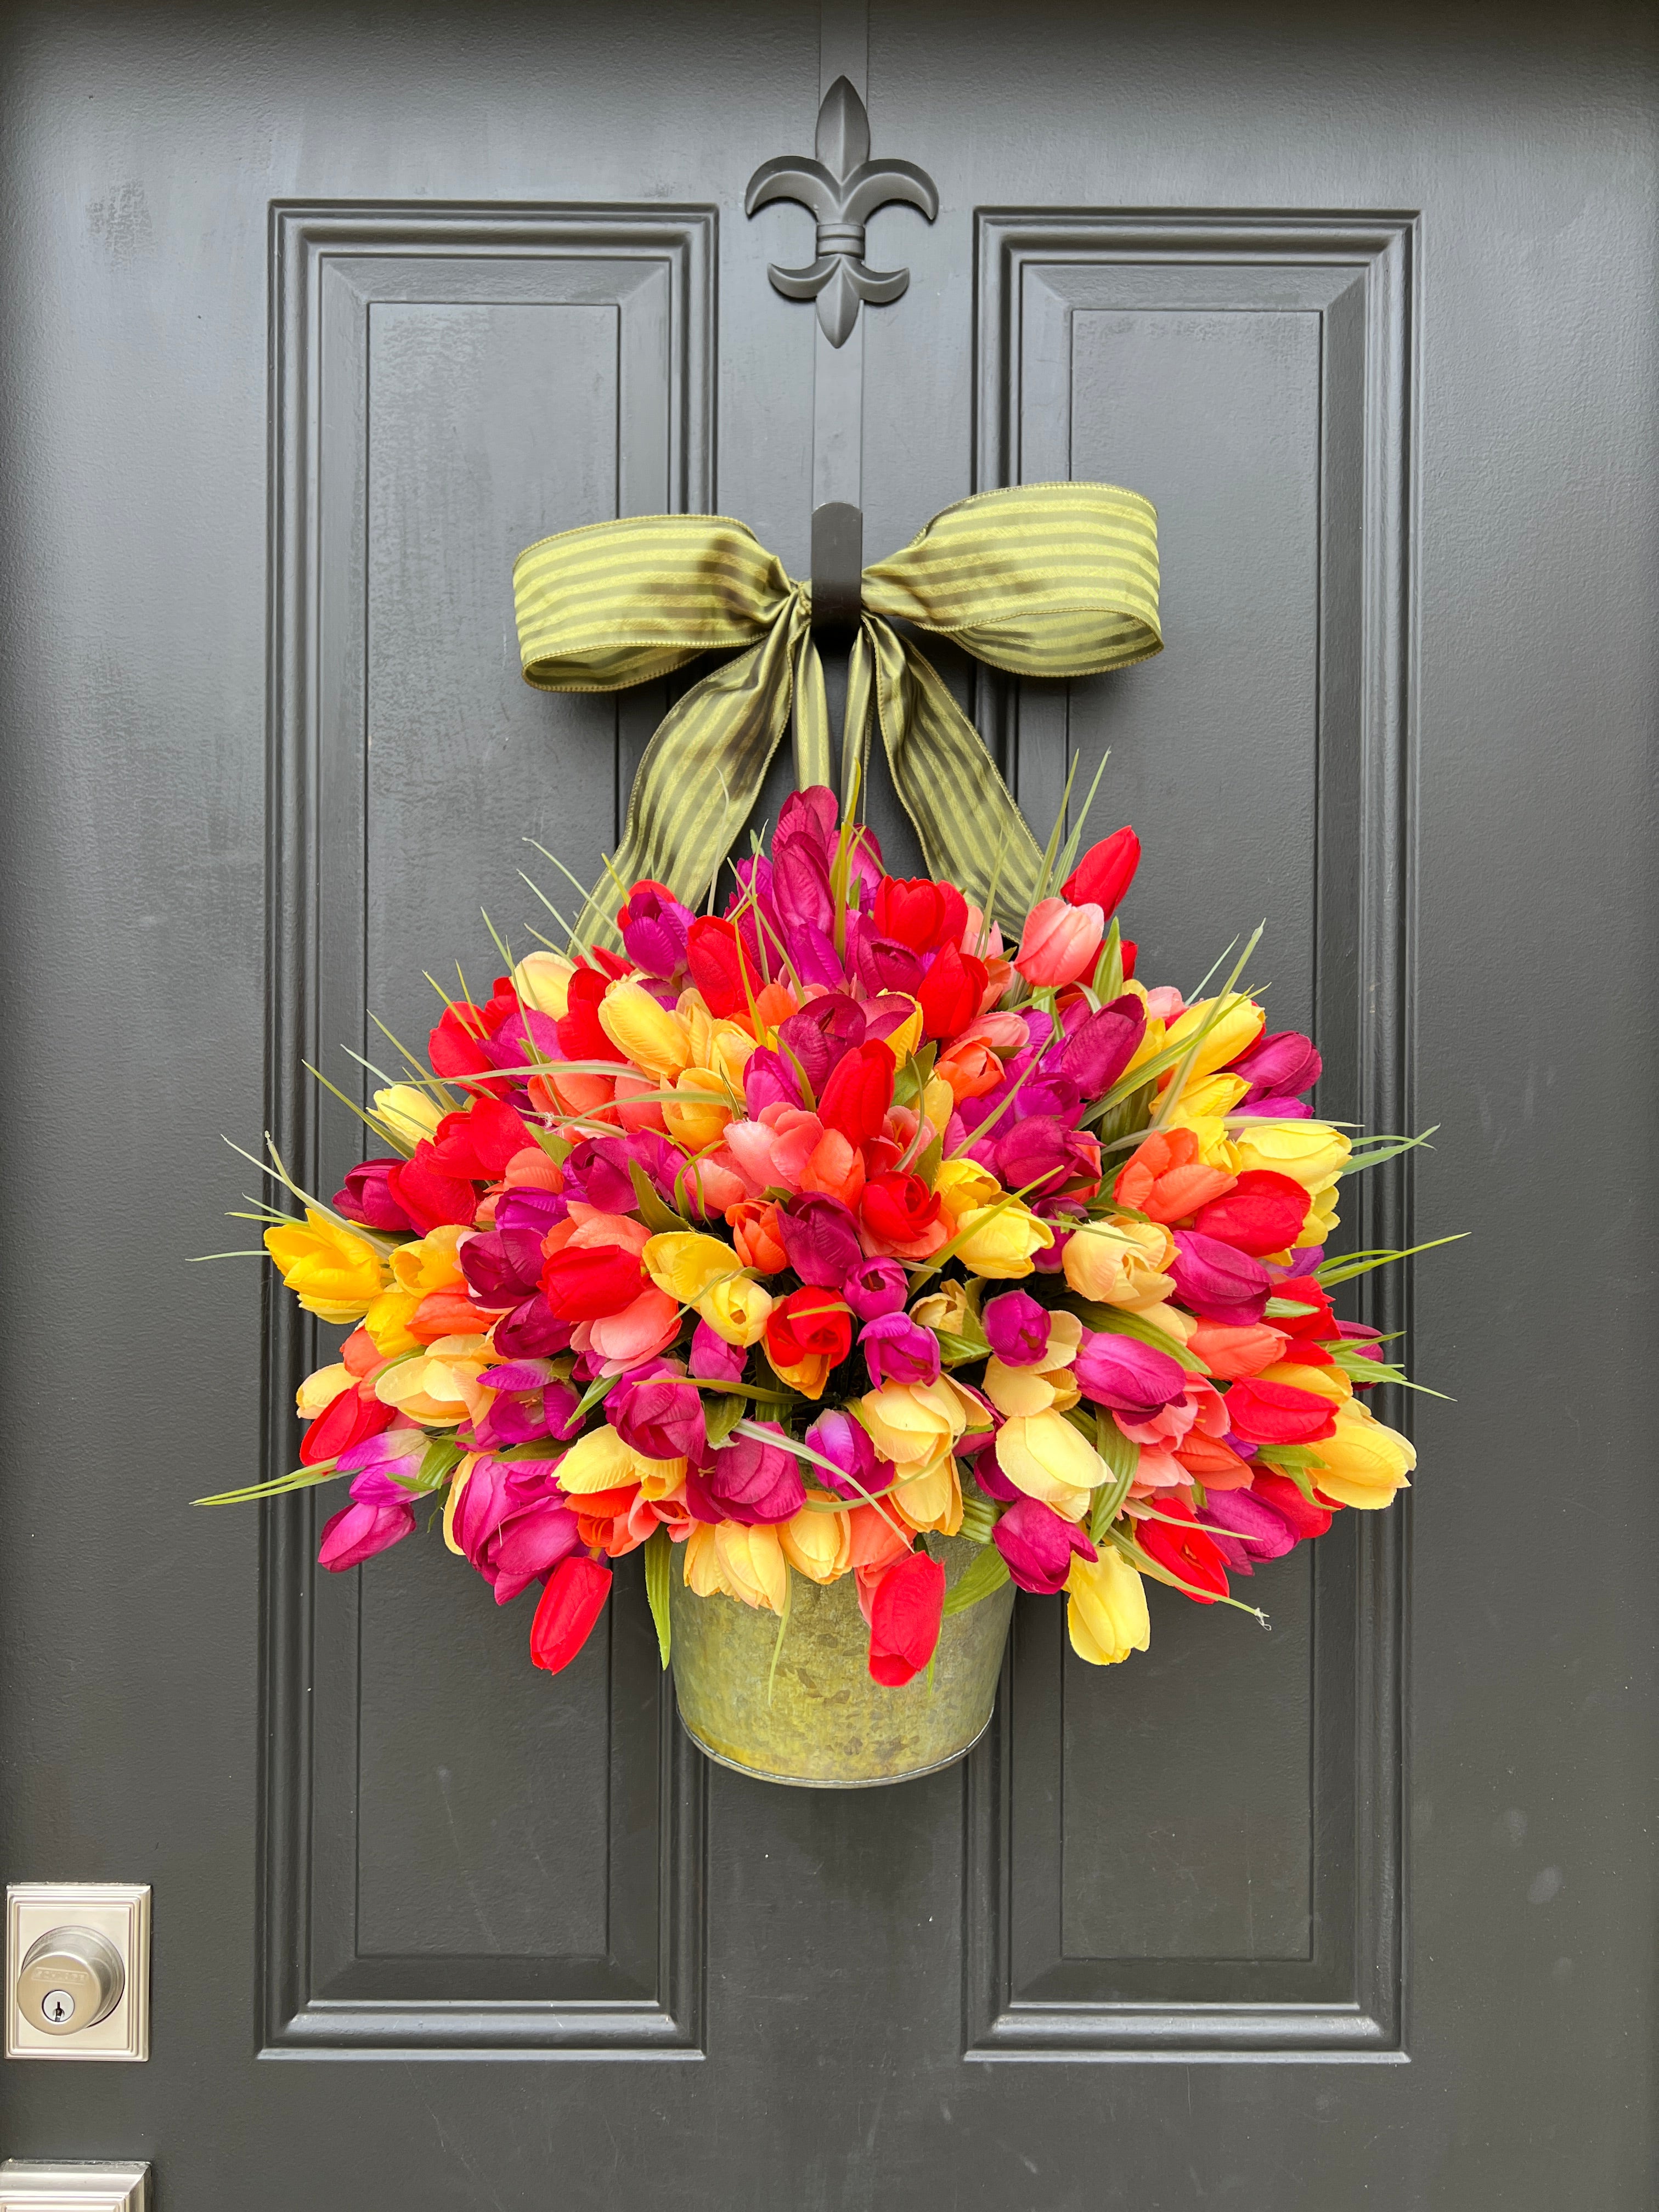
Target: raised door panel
[
  {"x": 1201, "y": 1852},
  {"x": 459, "y": 1852}
]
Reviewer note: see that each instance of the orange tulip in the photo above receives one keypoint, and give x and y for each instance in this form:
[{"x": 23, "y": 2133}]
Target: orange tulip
[{"x": 1165, "y": 1179}]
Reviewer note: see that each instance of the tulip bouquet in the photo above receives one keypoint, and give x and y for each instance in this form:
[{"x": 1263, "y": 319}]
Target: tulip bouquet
[{"x": 789, "y": 1240}]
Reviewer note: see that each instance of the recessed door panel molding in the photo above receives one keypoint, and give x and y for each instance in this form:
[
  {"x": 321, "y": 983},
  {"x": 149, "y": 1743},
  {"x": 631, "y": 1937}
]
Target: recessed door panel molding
[
  {"x": 1112, "y": 1913},
  {"x": 449, "y": 384}
]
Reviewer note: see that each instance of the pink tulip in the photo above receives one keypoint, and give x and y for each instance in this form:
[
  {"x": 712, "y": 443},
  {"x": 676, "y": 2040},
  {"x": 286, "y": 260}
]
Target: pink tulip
[{"x": 1060, "y": 943}]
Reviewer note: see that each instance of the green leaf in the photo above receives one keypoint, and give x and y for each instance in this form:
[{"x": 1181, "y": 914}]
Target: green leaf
[
  {"x": 979, "y": 1514},
  {"x": 299, "y": 1477},
  {"x": 1109, "y": 969},
  {"x": 438, "y": 1462},
  {"x": 653, "y": 1210},
  {"x": 1288, "y": 1457},
  {"x": 1370, "y": 1152},
  {"x": 1283, "y": 1308},
  {"x": 659, "y": 1565},
  {"x": 599, "y": 1388},
  {"x": 1122, "y": 1455},
  {"x": 1345, "y": 1269},
  {"x": 720, "y": 1415},
  {"x": 783, "y": 1623},
  {"x": 984, "y": 1574}
]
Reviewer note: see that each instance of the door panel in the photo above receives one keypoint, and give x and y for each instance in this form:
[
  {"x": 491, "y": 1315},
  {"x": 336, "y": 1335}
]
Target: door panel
[{"x": 312, "y": 321}]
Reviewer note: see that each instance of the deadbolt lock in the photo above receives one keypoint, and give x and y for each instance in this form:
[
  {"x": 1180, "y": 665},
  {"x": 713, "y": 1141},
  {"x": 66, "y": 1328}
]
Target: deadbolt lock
[
  {"x": 77, "y": 1970},
  {"x": 71, "y": 1978}
]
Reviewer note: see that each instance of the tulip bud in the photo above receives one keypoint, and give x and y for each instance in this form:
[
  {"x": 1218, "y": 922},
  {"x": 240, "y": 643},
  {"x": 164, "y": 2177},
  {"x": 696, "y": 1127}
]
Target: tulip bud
[
  {"x": 1106, "y": 1613},
  {"x": 1016, "y": 1328},
  {"x": 872, "y": 1287},
  {"x": 835, "y": 1435},
  {"x": 905, "y": 1613},
  {"x": 1216, "y": 1282},
  {"x": 1039, "y": 1546},
  {"x": 1060, "y": 943},
  {"x": 572, "y": 1600},
  {"x": 1132, "y": 1378},
  {"x": 897, "y": 1350},
  {"x": 1105, "y": 872}
]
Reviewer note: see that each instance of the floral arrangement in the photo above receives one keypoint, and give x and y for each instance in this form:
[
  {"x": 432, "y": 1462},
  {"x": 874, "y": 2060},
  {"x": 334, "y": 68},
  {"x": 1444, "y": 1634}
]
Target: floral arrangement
[{"x": 790, "y": 1238}]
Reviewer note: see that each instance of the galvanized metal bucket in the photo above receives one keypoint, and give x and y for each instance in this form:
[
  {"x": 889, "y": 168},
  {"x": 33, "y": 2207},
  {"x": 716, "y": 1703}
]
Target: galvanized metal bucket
[{"x": 822, "y": 1724}]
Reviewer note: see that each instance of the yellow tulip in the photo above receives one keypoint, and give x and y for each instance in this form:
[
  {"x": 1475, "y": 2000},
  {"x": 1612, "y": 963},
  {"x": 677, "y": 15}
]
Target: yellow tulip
[
  {"x": 1365, "y": 1464},
  {"x": 910, "y": 1424},
  {"x": 601, "y": 1461},
  {"x": 692, "y": 1122},
  {"x": 542, "y": 981},
  {"x": 686, "y": 1265},
  {"x": 736, "y": 1310},
  {"x": 752, "y": 1562},
  {"x": 700, "y": 1565},
  {"x": 1208, "y": 1098},
  {"x": 1121, "y": 1263},
  {"x": 938, "y": 1102},
  {"x": 903, "y": 1041},
  {"x": 1152, "y": 1042},
  {"x": 999, "y": 1240},
  {"x": 960, "y": 1186},
  {"x": 1323, "y": 1219},
  {"x": 431, "y": 1262},
  {"x": 1028, "y": 1390},
  {"x": 932, "y": 1499},
  {"x": 818, "y": 1545},
  {"x": 318, "y": 1391},
  {"x": 387, "y": 1322},
  {"x": 408, "y": 1114},
  {"x": 639, "y": 1025},
  {"x": 333, "y": 1273},
  {"x": 1042, "y": 1455},
  {"x": 459, "y": 1475},
  {"x": 1323, "y": 1382},
  {"x": 440, "y": 1387},
  {"x": 951, "y": 1310},
  {"x": 1237, "y": 1026},
  {"x": 1312, "y": 1153},
  {"x": 1215, "y": 1147},
  {"x": 1106, "y": 1608}
]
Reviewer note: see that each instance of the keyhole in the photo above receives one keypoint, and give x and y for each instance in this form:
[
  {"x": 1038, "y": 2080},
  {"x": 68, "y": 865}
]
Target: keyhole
[{"x": 58, "y": 2006}]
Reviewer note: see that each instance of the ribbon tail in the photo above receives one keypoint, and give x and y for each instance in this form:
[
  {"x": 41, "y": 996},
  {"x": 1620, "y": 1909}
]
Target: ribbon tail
[
  {"x": 972, "y": 833},
  {"x": 698, "y": 781},
  {"x": 855, "y": 727},
  {"x": 811, "y": 717}
]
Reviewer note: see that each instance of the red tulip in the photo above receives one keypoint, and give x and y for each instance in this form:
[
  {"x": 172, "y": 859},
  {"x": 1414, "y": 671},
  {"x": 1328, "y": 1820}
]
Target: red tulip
[
  {"x": 429, "y": 1193},
  {"x": 478, "y": 1141},
  {"x": 808, "y": 1324},
  {"x": 1286, "y": 1500},
  {"x": 455, "y": 1046},
  {"x": 346, "y": 1419},
  {"x": 905, "y": 1613},
  {"x": 919, "y": 913},
  {"x": 720, "y": 969},
  {"x": 1262, "y": 1212},
  {"x": 581, "y": 1036},
  {"x": 951, "y": 993},
  {"x": 857, "y": 1093},
  {"x": 1184, "y": 1553},
  {"x": 1104, "y": 874},
  {"x": 572, "y": 1600},
  {"x": 897, "y": 1209},
  {"x": 1264, "y": 1413},
  {"x": 587, "y": 1282}
]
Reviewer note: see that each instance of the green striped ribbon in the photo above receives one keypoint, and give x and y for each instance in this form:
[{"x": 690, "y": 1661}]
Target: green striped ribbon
[{"x": 1053, "y": 580}]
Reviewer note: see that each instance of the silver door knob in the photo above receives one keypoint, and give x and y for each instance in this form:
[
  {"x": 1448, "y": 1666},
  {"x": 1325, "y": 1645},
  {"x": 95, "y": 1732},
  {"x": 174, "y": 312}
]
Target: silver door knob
[{"x": 70, "y": 1979}]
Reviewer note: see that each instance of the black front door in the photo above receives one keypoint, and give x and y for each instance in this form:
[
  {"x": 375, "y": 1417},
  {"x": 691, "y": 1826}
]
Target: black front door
[{"x": 313, "y": 319}]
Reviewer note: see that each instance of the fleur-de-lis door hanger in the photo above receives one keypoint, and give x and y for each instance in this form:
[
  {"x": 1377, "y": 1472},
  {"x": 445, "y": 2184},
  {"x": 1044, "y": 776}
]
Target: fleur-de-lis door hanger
[{"x": 843, "y": 188}]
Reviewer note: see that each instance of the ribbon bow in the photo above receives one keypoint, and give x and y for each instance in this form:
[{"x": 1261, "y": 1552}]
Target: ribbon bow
[{"x": 1045, "y": 580}]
